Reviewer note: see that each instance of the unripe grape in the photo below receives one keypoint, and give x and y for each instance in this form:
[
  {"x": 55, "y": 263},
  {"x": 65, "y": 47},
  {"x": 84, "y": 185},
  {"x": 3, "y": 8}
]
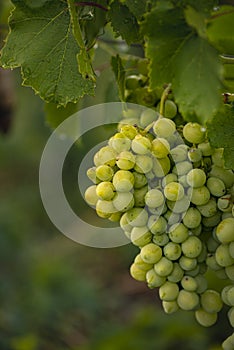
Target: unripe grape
[
  {"x": 106, "y": 155},
  {"x": 197, "y": 230},
  {"x": 196, "y": 178},
  {"x": 200, "y": 195},
  {"x": 141, "y": 144},
  {"x": 192, "y": 218},
  {"x": 123, "y": 181},
  {"x": 174, "y": 191},
  {"x": 222, "y": 256},
  {"x": 169, "y": 178},
  {"x": 225, "y": 203},
  {"x": 191, "y": 247},
  {"x": 125, "y": 160},
  {"x": 124, "y": 224},
  {"x": 154, "y": 280},
  {"x": 231, "y": 316},
  {"x": 119, "y": 142},
  {"x": 91, "y": 173},
  {"x": 194, "y": 133},
  {"x": 91, "y": 195},
  {"x": 141, "y": 236},
  {"x": 104, "y": 172},
  {"x": 189, "y": 283},
  {"x": 225, "y": 230},
  {"x": 143, "y": 164},
  {"x": 137, "y": 273},
  {"x": 115, "y": 217},
  {"x": 212, "y": 221},
  {"x": 130, "y": 131},
  {"x": 229, "y": 270},
  {"x": 182, "y": 168},
  {"x": 154, "y": 198},
  {"x": 179, "y": 206},
  {"x": 105, "y": 208},
  {"x": 172, "y": 251},
  {"x": 160, "y": 148},
  {"x": 206, "y": 149},
  {"x": 228, "y": 343},
  {"x": 170, "y": 109},
  {"x": 179, "y": 153},
  {"x": 163, "y": 267},
  {"x": 139, "y": 196},
  {"x": 178, "y": 233},
  {"x": 168, "y": 291},
  {"x": 227, "y": 176},
  {"x": 216, "y": 186},
  {"x": 230, "y": 295},
  {"x": 187, "y": 300},
  {"x": 147, "y": 117},
  {"x": 164, "y": 127},
  {"x": 142, "y": 264},
  {"x": 212, "y": 244},
  {"x": 187, "y": 264},
  {"x": 137, "y": 217},
  {"x": 224, "y": 294},
  {"x": 161, "y": 240},
  {"x": 212, "y": 263},
  {"x": 211, "y": 301},
  {"x": 158, "y": 210},
  {"x": 170, "y": 306},
  {"x": 140, "y": 180},
  {"x": 151, "y": 253},
  {"x": 194, "y": 155},
  {"x": 209, "y": 209},
  {"x": 105, "y": 190},
  {"x": 161, "y": 167},
  {"x": 201, "y": 283},
  {"x": 183, "y": 181},
  {"x": 172, "y": 218},
  {"x": 231, "y": 249},
  {"x": 205, "y": 318},
  {"x": 157, "y": 225},
  {"x": 177, "y": 273},
  {"x": 133, "y": 82},
  {"x": 123, "y": 201},
  {"x": 221, "y": 274}
]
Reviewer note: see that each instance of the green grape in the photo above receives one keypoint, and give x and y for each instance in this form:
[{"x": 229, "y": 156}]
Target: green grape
[
  {"x": 139, "y": 196},
  {"x": 200, "y": 195},
  {"x": 177, "y": 273},
  {"x": 119, "y": 142},
  {"x": 212, "y": 244},
  {"x": 91, "y": 195},
  {"x": 130, "y": 131},
  {"x": 209, "y": 209},
  {"x": 206, "y": 149},
  {"x": 154, "y": 198},
  {"x": 123, "y": 181},
  {"x": 160, "y": 148},
  {"x": 195, "y": 271},
  {"x": 231, "y": 316},
  {"x": 140, "y": 180},
  {"x": 124, "y": 223},
  {"x": 164, "y": 128},
  {"x": 163, "y": 267},
  {"x": 211, "y": 301},
  {"x": 128, "y": 122},
  {"x": 125, "y": 160},
  {"x": 187, "y": 300},
  {"x": 228, "y": 343},
  {"x": 147, "y": 117},
  {"x": 187, "y": 264},
  {"x": 230, "y": 295},
  {"x": 179, "y": 153},
  {"x": 227, "y": 176},
  {"x": 194, "y": 155},
  {"x": 212, "y": 263},
  {"x": 104, "y": 172},
  {"x": 141, "y": 144},
  {"x": 201, "y": 283},
  {"x": 194, "y": 133},
  {"x": 157, "y": 224},
  {"x": 106, "y": 155},
  {"x": 105, "y": 190},
  {"x": 224, "y": 203},
  {"x": 197, "y": 230},
  {"x": 225, "y": 230},
  {"x": 222, "y": 255},
  {"x": 154, "y": 280},
  {"x": 179, "y": 206},
  {"x": 130, "y": 113},
  {"x": 137, "y": 217},
  {"x": 212, "y": 221},
  {"x": 172, "y": 218},
  {"x": 229, "y": 270},
  {"x": 178, "y": 233},
  {"x": 221, "y": 274},
  {"x": 91, "y": 173},
  {"x": 189, "y": 283},
  {"x": 231, "y": 249},
  {"x": 145, "y": 97},
  {"x": 216, "y": 186},
  {"x": 192, "y": 218},
  {"x": 132, "y": 82},
  {"x": 158, "y": 210},
  {"x": 182, "y": 168},
  {"x": 168, "y": 291},
  {"x": 204, "y": 318},
  {"x": 144, "y": 164},
  {"x": 169, "y": 178},
  {"x": 161, "y": 167},
  {"x": 174, "y": 191},
  {"x": 161, "y": 240},
  {"x": 123, "y": 201},
  {"x": 183, "y": 181},
  {"x": 137, "y": 273},
  {"x": 142, "y": 264},
  {"x": 191, "y": 247},
  {"x": 224, "y": 294},
  {"x": 151, "y": 253},
  {"x": 105, "y": 208},
  {"x": 141, "y": 236},
  {"x": 170, "y": 306},
  {"x": 196, "y": 178},
  {"x": 227, "y": 215},
  {"x": 172, "y": 251},
  {"x": 170, "y": 109}
]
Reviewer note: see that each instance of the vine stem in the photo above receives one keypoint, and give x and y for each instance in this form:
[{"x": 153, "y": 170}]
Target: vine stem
[
  {"x": 163, "y": 99},
  {"x": 75, "y": 24}
]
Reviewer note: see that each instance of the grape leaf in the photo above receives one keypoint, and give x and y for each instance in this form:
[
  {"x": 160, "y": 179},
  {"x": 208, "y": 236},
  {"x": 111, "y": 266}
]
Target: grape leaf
[
  {"x": 119, "y": 72},
  {"x": 199, "y": 5},
  {"x": 124, "y": 22},
  {"x": 220, "y": 133},
  {"x": 220, "y": 30},
  {"x": 41, "y": 42},
  {"x": 137, "y": 7}
]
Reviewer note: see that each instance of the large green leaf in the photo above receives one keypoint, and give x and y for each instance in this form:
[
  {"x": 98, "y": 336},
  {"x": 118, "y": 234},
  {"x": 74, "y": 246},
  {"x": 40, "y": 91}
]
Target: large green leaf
[
  {"x": 41, "y": 42},
  {"x": 119, "y": 72}
]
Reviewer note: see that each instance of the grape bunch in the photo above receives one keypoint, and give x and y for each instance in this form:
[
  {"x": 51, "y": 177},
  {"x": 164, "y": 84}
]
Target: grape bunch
[{"x": 173, "y": 197}]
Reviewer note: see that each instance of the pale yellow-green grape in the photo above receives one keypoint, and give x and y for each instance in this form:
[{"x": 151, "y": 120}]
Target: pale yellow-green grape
[
  {"x": 124, "y": 224},
  {"x": 115, "y": 217},
  {"x": 141, "y": 144},
  {"x": 154, "y": 280},
  {"x": 170, "y": 109},
  {"x": 164, "y": 128},
  {"x": 197, "y": 230},
  {"x": 194, "y": 155},
  {"x": 189, "y": 283},
  {"x": 179, "y": 153},
  {"x": 205, "y": 318},
  {"x": 125, "y": 160},
  {"x": 105, "y": 190},
  {"x": 151, "y": 253},
  {"x": 157, "y": 224},
  {"x": 105, "y": 208},
  {"x": 206, "y": 149},
  {"x": 182, "y": 168},
  {"x": 172, "y": 218},
  {"x": 154, "y": 198},
  {"x": 183, "y": 181},
  {"x": 119, "y": 142},
  {"x": 160, "y": 148},
  {"x": 196, "y": 178},
  {"x": 137, "y": 217},
  {"x": 191, "y": 247},
  {"x": 211, "y": 301},
  {"x": 174, "y": 191},
  {"x": 158, "y": 210},
  {"x": 230, "y": 295},
  {"x": 129, "y": 122},
  {"x": 178, "y": 233},
  {"x": 187, "y": 264},
  {"x": 227, "y": 176},
  {"x": 212, "y": 263},
  {"x": 170, "y": 306},
  {"x": 177, "y": 273},
  {"x": 106, "y": 155},
  {"x": 139, "y": 196},
  {"x": 169, "y": 291},
  {"x": 180, "y": 206},
  {"x": 199, "y": 195},
  {"x": 104, "y": 172},
  {"x": 123, "y": 201},
  {"x": 225, "y": 204},
  {"x": 141, "y": 236},
  {"x": 231, "y": 316},
  {"x": 144, "y": 164},
  {"x": 123, "y": 181},
  {"x": 91, "y": 196},
  {"x": 169, "y": 178},
  {"x": 212, "y": 244},
  {"x": 137, "y": 273},
  {"x": 172, "y": 251},
  {"x": 209, "y": 209},
  {"x": 229, "y": 270},
  {"x": 91, "y": 173},
  {"x": 202, "y": 283},
  {"x": 129, "y": 131},
  {"x": 212, "y": 221},
  {"x": 228, "y": 343},
  {"x": 161, "y": 240},
  {"x": 192, "y": 218},
  {"x": 142, "y": 264},
  {"x": 216, "y": 186},
  {"x": 147, "y": 117},
  {"x": 225, "y": 230},
  {"x": 161, "y": 167},
  {"x": 163, "y": 267},
  {"x": 224, "y": 294},
  {"x": 194, "y": 133},
  {"x": 140, "y": 180},
  {"x": 223, "y": 256},
  {"x": 187, "y": 300}
]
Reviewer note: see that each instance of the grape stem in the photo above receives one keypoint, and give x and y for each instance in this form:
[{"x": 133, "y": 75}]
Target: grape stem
[{"x": 165, "y": 94}]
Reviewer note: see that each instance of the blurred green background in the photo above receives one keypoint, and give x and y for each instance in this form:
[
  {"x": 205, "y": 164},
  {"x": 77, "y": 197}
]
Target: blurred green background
[{"x": 56, "y": 294}]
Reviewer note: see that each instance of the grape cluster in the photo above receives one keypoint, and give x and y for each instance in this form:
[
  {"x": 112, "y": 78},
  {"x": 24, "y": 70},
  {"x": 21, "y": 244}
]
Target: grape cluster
[{"x": 173, "y": 198}]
